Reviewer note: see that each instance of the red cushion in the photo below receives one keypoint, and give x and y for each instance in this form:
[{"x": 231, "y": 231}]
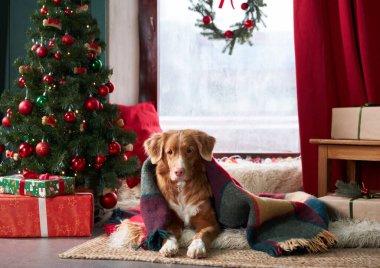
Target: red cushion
[{"x": 141, "y": 118}]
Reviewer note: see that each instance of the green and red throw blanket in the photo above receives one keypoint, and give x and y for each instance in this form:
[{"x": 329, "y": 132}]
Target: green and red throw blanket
[{"x": 278, "y": 224}]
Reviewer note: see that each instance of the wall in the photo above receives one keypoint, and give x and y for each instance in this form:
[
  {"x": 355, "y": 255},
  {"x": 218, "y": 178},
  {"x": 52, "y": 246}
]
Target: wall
[{"x": 123, "y": 50}]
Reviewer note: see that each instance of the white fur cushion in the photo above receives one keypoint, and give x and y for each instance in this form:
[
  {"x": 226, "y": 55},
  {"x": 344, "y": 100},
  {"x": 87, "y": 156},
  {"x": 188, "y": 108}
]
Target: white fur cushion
[{"x": 282, "y": 176}]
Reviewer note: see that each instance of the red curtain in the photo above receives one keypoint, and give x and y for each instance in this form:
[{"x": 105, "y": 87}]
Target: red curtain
[{"x": 337, "y": 45}]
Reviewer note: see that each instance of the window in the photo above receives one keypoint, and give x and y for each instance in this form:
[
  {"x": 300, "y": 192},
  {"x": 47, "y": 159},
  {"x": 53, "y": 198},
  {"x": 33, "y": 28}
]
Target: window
[{"x": 246, "y": 100}]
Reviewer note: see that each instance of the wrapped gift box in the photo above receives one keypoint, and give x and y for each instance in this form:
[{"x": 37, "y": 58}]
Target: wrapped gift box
[
  {"x": 356, "y": 123},
  {"x": 16, "y": 185},
  {"x": 344, "y": 207},
  {"x": 66, "y": 215}
]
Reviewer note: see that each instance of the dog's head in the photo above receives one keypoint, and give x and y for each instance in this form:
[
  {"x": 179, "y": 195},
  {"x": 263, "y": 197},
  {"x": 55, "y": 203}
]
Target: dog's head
[{"x": 182, "y": 151}]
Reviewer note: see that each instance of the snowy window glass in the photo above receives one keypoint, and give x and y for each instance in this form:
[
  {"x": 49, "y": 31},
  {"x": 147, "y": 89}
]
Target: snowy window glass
[{"x": 246, "y": 100}]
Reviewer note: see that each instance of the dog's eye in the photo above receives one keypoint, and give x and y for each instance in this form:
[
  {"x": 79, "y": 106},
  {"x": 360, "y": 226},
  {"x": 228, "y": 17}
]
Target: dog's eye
[
  {"x": 189, "y": 150},
  {"x": 170, "y": 152}
]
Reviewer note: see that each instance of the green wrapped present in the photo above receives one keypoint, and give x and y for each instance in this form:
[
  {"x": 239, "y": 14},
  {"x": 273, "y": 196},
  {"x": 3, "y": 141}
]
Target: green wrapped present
[{"x": 39, "y": 185}]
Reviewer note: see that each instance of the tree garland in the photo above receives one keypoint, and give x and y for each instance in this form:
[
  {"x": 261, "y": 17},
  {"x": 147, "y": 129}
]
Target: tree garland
[{"x": 241, "y": 31}]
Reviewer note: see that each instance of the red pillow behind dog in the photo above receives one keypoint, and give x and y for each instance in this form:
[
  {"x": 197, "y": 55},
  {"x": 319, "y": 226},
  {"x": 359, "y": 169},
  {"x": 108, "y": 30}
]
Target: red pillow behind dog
[{"x": 141, "y": 118}]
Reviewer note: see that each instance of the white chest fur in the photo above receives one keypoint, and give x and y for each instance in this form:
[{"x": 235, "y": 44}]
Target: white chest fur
[{"x": 184, "y": 210}]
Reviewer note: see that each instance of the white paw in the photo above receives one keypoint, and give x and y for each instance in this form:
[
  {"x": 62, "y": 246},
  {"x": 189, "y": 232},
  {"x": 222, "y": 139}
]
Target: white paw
[
  {"x": 170, "y": 247},
  {"x": 197, "y": 249}
]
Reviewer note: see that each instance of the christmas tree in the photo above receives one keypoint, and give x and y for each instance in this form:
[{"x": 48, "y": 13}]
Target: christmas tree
[{"x": 57, "y": 119}]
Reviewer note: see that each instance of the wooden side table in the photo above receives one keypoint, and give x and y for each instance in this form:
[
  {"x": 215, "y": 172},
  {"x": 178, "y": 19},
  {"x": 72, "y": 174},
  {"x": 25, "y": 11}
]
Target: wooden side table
[{"x": 350, "y": 150}]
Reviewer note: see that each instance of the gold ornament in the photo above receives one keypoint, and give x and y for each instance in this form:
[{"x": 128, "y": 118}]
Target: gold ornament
[{"x": 128, "y": 147}]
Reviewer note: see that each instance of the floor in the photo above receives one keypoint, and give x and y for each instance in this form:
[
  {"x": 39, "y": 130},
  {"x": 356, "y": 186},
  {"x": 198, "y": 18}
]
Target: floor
[{"x": 43, "y": 252}]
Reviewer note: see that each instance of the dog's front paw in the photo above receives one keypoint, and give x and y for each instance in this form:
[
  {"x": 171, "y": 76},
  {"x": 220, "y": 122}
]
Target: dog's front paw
[
  {"x": 197, "y": 249},
  {"x": 170, "y": 247}
]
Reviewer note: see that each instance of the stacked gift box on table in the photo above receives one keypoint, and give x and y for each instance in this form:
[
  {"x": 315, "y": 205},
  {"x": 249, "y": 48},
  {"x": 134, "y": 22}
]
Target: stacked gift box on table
[
  {"x": 33, "y": 205},
  {"x": 356, "y": 123}
]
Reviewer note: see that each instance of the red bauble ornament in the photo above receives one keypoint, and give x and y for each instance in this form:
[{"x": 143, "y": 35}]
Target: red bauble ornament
[
  {"x": 2, "y": 148},
  {"x": 42, "y": 149},
  {"x": 21, "y": 82},
  {"x": 6, "y": 122},
  {"x": 68, "y": 40},
  {"x": 25, "y": 150},
  {"x": 25, "y": 107},
  {"x": 57, "y": 2},
  {"x": 44, "y": 10},
  {"x": 100, "y": 159},
  {"x": 207, "y": 19},
  {"x": 62, "y": 81},
  {"x": 248, "y": 24},
  {"x": 110, "y": 87},
  {"x": 51, "y": 43},
  {"x": 48, "y": 79},
  {"x": 103, "y": 90},
  {"x": 132, "y": 182},
  {"x": 108, "y": 201},
  {"x": 114, "y": 148},
  {"x": 78, "y": 163},
  {"x": 70, "y": 117},
  {"x": 57, "y": 55},
  {"x": 68, "y": 11},
  {"x": 35, "y": 46},
  {"x": 229, "y": 34},
  {"x": 92, "y": 104},
  {"x": 91, "y": 55},
  {"x": 42, "y": 51},
  {"x": 244, "y": 6}
]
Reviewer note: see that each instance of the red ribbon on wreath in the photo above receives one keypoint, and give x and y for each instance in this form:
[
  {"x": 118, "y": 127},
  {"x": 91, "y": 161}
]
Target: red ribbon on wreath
[
  {"x": 222, "y": 3},
  {"x": 28, "y": 175}
]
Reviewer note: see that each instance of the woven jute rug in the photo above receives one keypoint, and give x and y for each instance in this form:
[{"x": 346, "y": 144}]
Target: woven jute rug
[{"x": 98, "y": 248}]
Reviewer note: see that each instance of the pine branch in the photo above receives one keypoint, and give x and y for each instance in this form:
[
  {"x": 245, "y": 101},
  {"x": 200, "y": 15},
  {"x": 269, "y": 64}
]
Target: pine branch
[{"x": 351, "y": 190}]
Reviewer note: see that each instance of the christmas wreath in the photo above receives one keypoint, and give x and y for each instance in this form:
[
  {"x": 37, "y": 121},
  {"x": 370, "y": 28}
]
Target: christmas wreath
[{"x": 241, "y": 31}]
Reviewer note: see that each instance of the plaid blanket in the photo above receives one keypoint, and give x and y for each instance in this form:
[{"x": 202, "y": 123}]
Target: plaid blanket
[{"x": 278, "y": 224}]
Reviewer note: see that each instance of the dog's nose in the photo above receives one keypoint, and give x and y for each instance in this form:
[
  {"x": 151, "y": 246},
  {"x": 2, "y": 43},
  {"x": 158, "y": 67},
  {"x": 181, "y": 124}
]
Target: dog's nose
[{"x": 179, "y": 172}]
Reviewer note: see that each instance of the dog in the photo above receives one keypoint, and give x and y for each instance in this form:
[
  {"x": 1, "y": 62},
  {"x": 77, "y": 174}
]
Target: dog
[{"x": 181, "y": 178}]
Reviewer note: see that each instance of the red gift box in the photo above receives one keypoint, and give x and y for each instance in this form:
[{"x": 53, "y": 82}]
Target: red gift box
[{"x": 26, "y": 216}]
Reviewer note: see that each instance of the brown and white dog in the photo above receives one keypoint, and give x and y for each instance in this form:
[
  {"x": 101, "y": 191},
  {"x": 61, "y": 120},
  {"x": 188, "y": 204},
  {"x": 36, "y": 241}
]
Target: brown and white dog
[{"x": 181, "y": 178}]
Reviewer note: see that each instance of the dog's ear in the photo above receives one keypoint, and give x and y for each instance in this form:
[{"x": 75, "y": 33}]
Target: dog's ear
[
  {"x": 154, "y": 147},
  {"x": 205, "y": 144}
]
